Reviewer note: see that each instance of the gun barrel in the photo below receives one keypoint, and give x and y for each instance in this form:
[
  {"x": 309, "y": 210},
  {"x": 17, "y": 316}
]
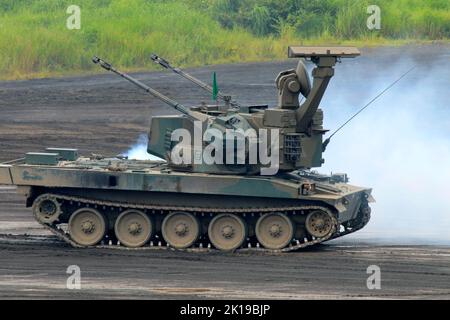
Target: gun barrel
[
  {"x": 166, "y": 64},
  {"x": 174, "y": 104}
]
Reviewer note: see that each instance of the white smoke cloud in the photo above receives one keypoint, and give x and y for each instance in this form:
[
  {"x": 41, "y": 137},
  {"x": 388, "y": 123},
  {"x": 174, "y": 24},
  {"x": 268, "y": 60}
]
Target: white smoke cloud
[
  {"x": 138, "y": 151},
  {"x": 399, "y": 146}
]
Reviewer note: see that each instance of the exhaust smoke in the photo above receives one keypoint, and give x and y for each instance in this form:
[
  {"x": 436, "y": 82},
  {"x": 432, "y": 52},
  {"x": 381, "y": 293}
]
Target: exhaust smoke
[
  {"x": 399, "y": 146},
  {"x": 138, "y": 151}
]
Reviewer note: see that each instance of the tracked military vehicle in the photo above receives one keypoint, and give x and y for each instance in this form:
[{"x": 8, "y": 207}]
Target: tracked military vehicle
[{"x": 195, "y": 203}]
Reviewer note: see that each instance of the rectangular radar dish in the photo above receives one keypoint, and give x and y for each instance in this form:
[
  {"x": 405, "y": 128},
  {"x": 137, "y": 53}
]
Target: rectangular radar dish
[{"x": 307, "y": 52}]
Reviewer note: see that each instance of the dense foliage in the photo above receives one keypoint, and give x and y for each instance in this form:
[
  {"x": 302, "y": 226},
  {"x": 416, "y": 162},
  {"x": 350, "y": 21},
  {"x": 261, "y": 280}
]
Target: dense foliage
[{"x": 34, "y": 40}]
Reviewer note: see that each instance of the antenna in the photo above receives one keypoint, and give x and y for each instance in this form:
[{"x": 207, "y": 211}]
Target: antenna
[{"x": 327, "y": 141}]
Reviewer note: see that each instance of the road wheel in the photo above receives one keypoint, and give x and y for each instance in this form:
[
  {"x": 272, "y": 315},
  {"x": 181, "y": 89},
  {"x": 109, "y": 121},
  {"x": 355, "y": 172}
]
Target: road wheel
[
  {"x": 180, "y": 229},
  {"x": 87, "y": 226},
  {"x": 133, "y": 228},
  {"x": 227, "y": 232},
  {"x": 319, "y": 223},
  {"x": 274, "y": 230}
]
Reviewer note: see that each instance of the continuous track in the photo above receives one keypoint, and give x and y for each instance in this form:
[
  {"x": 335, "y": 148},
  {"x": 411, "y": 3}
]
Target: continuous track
[{"x": 203, "y": 245}]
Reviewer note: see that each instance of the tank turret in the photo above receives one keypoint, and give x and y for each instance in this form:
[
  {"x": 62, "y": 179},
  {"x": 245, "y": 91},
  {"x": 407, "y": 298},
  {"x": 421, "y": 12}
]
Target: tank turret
[{"x": 221, "y": 139}]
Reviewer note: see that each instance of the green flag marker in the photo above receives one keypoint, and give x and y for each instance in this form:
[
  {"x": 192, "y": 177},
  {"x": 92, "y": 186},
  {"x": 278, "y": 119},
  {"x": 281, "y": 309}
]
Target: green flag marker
[{"x": 214, "y": 88}]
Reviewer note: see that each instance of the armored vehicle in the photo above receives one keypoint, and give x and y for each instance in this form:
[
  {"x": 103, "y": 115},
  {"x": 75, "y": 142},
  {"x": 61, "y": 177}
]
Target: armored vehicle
[{"x": 217, "y": 190}]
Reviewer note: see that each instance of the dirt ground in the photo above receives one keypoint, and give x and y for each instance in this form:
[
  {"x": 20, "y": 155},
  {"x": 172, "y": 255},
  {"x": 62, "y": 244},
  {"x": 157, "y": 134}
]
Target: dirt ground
[{"x": 104, "y": 114}]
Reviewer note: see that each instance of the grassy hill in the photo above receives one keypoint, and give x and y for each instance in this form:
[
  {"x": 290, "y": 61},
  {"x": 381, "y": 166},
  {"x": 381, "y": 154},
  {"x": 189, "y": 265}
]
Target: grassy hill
[{"x": 34, "y": 40}]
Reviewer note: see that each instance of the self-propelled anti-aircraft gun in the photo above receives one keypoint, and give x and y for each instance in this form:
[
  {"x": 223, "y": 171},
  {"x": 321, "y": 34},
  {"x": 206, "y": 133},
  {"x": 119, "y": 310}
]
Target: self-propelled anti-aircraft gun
[{"x": 215, "y": 188}]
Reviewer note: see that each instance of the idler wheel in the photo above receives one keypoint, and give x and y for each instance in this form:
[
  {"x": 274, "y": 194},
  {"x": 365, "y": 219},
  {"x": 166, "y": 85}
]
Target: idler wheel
[
  {"x": 319, "y": 223},
  {"x": 227, "y": 232},
  {"x": 274, "y": 230},
  {"x": 46, "y": 209},
  {"x": 133, "y": 228},
  {"x": 180, "y": 229},
  {"x": 87, "y": 226}
]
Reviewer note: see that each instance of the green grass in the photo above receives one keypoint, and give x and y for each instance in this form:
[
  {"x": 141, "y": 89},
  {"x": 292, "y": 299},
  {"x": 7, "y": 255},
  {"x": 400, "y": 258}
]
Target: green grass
[
  {"x": 34, "y": 40},
  {"x": 345, "y": 19}
]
